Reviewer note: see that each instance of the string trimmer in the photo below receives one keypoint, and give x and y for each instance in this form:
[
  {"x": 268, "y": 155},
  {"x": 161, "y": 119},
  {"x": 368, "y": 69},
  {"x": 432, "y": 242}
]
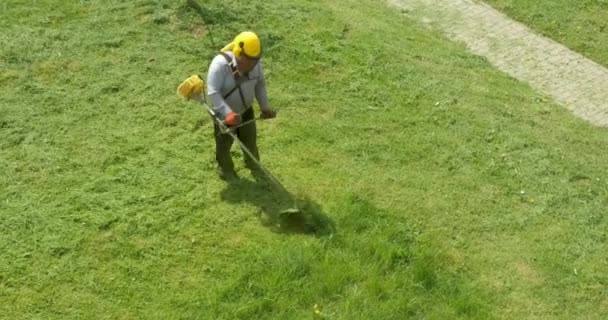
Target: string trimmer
[{"x": 194, "y": 88}]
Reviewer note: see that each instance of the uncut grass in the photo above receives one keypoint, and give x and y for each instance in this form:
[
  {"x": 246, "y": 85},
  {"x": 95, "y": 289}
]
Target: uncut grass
[
  {"x": 580, "y": 25},
  {"x": 453, "y": 191}
]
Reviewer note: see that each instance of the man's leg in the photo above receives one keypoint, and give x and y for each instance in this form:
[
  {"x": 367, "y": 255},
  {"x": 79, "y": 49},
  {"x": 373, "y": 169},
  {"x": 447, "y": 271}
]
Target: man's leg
[
  {"x": 248, "y": 135},
  {"x": 223, "y": 142}
]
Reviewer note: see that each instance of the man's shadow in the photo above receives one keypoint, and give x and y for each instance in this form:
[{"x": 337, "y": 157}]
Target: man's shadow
[{"x": 277, "y": 210}]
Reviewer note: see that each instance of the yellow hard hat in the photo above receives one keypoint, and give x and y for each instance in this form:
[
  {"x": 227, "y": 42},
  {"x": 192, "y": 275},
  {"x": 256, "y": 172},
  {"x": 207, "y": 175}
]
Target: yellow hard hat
[{"x": 246, "y": 43}]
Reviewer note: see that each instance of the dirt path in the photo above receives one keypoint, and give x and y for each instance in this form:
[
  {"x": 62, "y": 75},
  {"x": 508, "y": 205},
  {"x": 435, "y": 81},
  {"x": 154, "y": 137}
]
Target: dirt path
[{"x": 574, "y": 81}]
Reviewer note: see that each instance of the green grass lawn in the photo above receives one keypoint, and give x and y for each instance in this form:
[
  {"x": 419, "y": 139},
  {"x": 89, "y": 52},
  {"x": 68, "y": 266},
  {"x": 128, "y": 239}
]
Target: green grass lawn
[
  {"x": 581, "y": 25},
  {"x": 440, "y": 188}
]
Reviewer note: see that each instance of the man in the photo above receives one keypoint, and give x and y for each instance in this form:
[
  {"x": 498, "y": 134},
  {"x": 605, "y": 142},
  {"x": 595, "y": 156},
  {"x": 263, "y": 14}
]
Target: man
[{"x": 234, "y": 78}]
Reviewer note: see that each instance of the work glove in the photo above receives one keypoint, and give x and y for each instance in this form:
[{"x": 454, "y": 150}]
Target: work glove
[
  {"x": 268, "y": 114},
  {"x": 191, "y": 87},
  {"x": 232, "y": 119}
]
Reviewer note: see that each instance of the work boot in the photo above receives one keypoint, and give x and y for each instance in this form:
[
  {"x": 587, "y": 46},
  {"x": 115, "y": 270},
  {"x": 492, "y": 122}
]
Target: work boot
[
  {"x": 227, "y": 175},
  {"x": 258, "y": 174}
]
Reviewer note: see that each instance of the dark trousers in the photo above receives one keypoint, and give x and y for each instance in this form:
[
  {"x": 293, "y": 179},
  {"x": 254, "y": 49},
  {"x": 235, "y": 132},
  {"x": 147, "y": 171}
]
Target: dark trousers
[{"x": 223, "y": 142}]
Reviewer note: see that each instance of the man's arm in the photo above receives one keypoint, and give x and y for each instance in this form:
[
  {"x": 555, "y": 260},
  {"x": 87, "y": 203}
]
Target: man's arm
[
  {"x": 215, "y": 80},
  {"x": 260, "y": 93}
]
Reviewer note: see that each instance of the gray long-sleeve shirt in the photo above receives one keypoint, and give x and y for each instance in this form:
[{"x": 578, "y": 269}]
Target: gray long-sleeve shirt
[{"x": 220, "y": 81}]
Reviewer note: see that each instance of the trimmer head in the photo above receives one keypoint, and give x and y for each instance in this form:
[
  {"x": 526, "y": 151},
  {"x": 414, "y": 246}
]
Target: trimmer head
[{"x": 289, "y": 212}]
